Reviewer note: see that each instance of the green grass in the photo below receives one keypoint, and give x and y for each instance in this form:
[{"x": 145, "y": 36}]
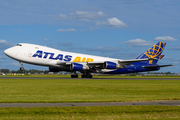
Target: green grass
[
  {"x": 34, "y": 75},
  {"x": 90, "y": 90},
  {"x": 95, "y": 76},
  {"x": 92, "y": 113}
]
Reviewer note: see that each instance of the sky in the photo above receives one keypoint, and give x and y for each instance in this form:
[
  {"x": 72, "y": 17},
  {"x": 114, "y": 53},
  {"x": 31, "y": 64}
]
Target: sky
[{"x": 121, "y": 29}]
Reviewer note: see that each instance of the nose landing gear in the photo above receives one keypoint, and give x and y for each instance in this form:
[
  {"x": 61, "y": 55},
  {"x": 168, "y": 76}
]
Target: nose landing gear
[{"x": 21, "y": 68}]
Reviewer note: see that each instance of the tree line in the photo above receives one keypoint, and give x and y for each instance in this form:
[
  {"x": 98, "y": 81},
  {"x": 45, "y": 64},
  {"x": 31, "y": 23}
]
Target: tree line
[{"x": 31, "y": 71}]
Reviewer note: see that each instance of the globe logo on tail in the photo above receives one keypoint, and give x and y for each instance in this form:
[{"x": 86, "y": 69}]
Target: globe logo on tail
[{"x": 155, "y": 51}]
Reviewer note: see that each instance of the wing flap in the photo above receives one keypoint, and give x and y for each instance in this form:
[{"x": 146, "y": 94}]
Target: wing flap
[{"x": 63, "y": 63}]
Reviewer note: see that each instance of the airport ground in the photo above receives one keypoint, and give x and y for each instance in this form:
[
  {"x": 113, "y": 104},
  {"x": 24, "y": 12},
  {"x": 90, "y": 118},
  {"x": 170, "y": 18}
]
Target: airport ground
[{"x": 55, "y": 90}]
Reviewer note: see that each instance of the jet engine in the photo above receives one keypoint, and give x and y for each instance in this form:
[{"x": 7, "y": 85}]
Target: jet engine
[
  {"x": 78, "y": 67},
  {"x": 111, "y": 65}
]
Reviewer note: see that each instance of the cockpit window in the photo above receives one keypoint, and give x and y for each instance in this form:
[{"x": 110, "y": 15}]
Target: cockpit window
[{"x": 18, "y": 45}]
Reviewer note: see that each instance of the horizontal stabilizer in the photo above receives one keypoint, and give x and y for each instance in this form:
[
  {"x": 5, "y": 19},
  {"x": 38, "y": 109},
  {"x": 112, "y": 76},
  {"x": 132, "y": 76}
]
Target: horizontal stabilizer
[{"x": 156, "y": 66}]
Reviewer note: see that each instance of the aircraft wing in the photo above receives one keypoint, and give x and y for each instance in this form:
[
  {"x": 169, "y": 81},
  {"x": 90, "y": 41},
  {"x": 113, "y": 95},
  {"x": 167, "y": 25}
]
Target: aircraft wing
[
  {"x": 128, "y": 62},
  {"x": 63, "y": 63},
  {"x": 115, "y": 64},
  {"x": 156, "y": 66}
]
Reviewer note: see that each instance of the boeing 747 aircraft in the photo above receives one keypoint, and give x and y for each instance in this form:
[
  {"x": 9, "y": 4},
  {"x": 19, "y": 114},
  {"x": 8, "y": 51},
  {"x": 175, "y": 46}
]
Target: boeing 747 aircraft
[{"x": 58, "y": 60}]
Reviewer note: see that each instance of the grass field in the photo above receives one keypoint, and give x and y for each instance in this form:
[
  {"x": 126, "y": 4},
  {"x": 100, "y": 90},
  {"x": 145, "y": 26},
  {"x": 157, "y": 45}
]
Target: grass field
[
  {"x": 94, "y": 76},
  {"x": 90, "y": 90},
  {"x": 92, "y": 113}
]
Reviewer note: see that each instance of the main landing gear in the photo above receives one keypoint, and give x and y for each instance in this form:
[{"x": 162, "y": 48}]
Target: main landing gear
[
  {"x": 86, "y": 75},
  {"x": 21, "y": 68},
  {"x": 74, "y": 75}
]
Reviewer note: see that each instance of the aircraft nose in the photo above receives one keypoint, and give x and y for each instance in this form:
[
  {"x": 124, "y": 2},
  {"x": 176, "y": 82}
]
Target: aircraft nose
[
  {"x": 6, "y": 52},
  {"x": 9, "y": 52}
]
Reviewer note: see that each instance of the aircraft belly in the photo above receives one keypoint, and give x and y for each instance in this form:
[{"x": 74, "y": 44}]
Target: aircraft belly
[{"x": 129, "y": 69}]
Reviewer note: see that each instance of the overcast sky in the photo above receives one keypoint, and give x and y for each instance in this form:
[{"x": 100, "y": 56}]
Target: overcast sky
[{"x": 111, "y": 28}]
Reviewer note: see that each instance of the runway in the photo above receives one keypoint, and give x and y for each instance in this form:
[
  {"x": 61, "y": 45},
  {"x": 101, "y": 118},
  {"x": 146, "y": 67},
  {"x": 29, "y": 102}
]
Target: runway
[
  {"x": 90, "y": 78},
  {"x": 168, "y": 103}
]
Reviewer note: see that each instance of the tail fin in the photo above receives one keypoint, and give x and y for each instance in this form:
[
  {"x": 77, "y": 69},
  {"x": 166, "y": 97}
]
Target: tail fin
[{"x": 153, "y": 52}]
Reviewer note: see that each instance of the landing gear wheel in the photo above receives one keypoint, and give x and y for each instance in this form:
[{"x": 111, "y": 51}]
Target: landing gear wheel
[
  {"x": 90, "y": 76},
  {"x": 86, "y": 76},
  {"x": 21, "y": 68},
  {"x": 83, "y": 76},
  {"x": 74, "y": 76}
]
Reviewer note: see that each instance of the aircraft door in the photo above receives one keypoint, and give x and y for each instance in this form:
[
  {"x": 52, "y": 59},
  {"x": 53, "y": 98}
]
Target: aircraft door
[{"x": 30, "y": 54}]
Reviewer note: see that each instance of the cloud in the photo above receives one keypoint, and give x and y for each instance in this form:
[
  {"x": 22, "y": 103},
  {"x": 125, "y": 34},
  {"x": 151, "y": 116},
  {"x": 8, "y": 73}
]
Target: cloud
[
  {"x": 4, "y": 44},
  {"x": 99, "y": 18},
  {"x": 81, "y": 15},
  {"x": 85, "y": 19},
  {"x": 67, "y": 30},
  {"x": 112, "y": 22},
  {"x": 138, "y": 42},
  {"x": 116, "y": 22},
  {"x": 165, "y": 38},
  {"x": 63, "y": 16},
  {"x": 88, "y": 15}
]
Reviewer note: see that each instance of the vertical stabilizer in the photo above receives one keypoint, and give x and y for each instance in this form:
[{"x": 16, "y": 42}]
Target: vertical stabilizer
[{"x": 153, "y": 52}]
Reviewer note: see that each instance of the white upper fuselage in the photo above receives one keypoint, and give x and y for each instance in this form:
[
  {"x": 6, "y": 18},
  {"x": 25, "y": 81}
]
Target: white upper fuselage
[{"x": 45, "y": 56}]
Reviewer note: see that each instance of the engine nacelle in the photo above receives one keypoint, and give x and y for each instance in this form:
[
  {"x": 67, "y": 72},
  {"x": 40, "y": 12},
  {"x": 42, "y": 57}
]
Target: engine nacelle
[
  {"x": 111, "y": 65},
  {"x": 78, "y": 67}
]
